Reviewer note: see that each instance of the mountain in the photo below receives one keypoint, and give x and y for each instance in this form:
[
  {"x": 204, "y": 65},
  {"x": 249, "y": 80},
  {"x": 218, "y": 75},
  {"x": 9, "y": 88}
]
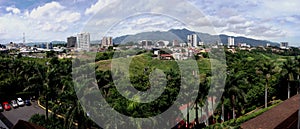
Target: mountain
[
  {"x": 181, "y": 36},
  {"x": 58, "y": 42}
]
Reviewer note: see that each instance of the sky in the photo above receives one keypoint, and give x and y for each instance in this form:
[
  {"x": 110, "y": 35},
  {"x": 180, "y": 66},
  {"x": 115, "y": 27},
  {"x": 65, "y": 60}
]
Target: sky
[{"x": 49, "y": 20}]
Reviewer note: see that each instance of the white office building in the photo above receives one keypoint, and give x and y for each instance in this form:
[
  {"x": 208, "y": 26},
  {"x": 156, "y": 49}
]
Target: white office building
[
  {"x": 107, "y": 42},
  {"x": 192, "y": 40},
  {"x": 83, "y": 41},
  {"x": 284, "y": 45},
  {"x": 230, "y": 41}
]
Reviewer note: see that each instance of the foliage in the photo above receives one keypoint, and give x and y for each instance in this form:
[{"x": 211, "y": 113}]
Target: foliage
[
  {"x": 248, "y": 73},
  {"x": 238, "y": 121},
  {"x": 52, "y": 123}
]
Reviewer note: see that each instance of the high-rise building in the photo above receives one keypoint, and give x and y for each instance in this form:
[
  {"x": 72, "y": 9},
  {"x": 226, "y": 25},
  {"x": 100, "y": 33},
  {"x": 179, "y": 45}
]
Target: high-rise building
[
  {"x": 230, "y": 41},
  {"x": 192, "y": 39},
  {"x": 83, "y": 41},
  {"x": 201, "y": 43},
  {"x": 49, "y": 45},
  {"x": 107, "y": 42},
  {"x": 71, "y": 41},
  {"x": 284, "y": 45},
  {"x": 146, "y": 43},
  {"x": 175, "y": 43}
]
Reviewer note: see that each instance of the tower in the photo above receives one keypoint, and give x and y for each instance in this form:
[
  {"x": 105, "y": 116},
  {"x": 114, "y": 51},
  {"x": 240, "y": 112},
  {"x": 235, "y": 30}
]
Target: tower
[
  {"x": 23, "y": 38},
  {"x": 192, "y": 40},
  {"x": 230, "y": 41},
  {"x": 83, "y": 41}
]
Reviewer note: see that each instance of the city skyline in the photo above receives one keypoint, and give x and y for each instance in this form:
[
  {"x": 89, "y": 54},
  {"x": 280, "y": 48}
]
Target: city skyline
[{"x": 48, "y": 20}]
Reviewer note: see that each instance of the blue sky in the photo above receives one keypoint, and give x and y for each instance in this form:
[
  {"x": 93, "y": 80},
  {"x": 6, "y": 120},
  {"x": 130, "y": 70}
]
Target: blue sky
[{"x": 47, "y": 20}]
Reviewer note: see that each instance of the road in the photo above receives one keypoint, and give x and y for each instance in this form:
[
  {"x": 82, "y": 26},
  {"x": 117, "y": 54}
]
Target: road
[{"x": 23, "y": 113}]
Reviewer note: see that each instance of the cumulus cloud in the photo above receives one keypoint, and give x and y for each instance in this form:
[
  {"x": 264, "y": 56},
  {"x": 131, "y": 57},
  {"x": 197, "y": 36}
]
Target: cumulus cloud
[
  {"x": 50, "y": 21},
  {"x": 144, "y": 23},
  {"x": 266, "y": 19},
  {"x": 100, "y": 4},
  {"x": 255, "y": 30},
  {"x": 53, "y": 17},
  {"x": 54, "y": 11},
  {"x": 236, "y": 19},
  {"x": 13, "y": 10},
  {"x": 181, "y": 12}
]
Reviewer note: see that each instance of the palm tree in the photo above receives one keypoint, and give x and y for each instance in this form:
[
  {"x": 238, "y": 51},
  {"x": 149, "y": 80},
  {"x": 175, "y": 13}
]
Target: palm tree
[
  {"x": 297, "y": 65},
  {"x": 70, "y": 106},
  {"x": 289, "y": 68},
  {"x": 235, "y": 94},
  {"x": 232, "y": 90},
  {"x": 35, "y": 80},
  {"x": 267, "y": 69}
]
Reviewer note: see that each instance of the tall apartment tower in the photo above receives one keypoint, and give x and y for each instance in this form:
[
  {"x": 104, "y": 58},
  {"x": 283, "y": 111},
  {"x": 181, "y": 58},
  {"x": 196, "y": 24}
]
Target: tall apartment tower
[
  {"x": 175, "y": 43},
  {"x": 192, "y": 40},
  {"x": 284, "y": 45},
  {"x": 83, "y": 41},
  {"x": 230, "y": 41},
  {"x": 71, "y": 41},
  {"x": 106, "y": 42}
]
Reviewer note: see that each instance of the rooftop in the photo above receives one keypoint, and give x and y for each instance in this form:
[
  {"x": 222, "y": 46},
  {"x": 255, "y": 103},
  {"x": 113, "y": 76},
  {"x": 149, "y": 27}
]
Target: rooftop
[{"x": 285, "y": 115}]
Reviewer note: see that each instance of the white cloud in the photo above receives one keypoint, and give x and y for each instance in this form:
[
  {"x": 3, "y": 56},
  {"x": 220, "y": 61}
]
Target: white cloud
[
  {"x": 53, "y": 17},
  {"x": 236, "y": 20},
  {"x": 51, "y": 21},
  {"x": 144, "y": 23},
  {"x": 47, "y": 11},
  {"x": 181, "y": 13},
  {"x": 67, "y": 16},
  {"x": 54, "y": 11},
  {"x": 266, "y": 19},
  {"x": 13, "y": 10},
  {"x": 100, "y": 4},
  {"x": 274, "y": 8}
]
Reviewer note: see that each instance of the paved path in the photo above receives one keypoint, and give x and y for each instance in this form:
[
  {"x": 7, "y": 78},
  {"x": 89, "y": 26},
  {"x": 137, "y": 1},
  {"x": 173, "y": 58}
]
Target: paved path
[
  {"x": 23, "y": 113},
  {"x": 2, "y": 125}
]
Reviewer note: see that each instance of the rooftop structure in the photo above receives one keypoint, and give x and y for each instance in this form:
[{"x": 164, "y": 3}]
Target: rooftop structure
[{"x": 283, "y": 116}]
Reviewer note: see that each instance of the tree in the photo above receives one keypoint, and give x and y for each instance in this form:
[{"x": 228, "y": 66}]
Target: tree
[
  {"x": 297, "y": 66},
  {"x": 267, "y": 69},
  {"x": 234, "y": 80},
  {"x": 289, "y": 71}
]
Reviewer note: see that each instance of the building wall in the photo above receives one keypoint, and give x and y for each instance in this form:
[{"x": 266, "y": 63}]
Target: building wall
[
  {"x": 230, "y": 41},
  {"x": 107, "y": 42},
  {"x": 284, "y": 45},
  {"x": 192, "y": 39},
  {"x": 71, "y": 41},
  {"x": 83, "y": 41}
]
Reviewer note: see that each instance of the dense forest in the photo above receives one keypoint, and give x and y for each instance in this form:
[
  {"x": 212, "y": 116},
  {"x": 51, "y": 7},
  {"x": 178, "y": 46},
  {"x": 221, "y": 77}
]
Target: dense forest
[{"x": 254, "y": 80}]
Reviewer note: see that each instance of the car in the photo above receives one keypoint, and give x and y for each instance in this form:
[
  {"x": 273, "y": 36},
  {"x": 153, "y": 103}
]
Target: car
[
  {"x": 20, "y": 102},
  {"x": 1, "y": 108},
  {"x": 6, "y": 106},
  {"x": 27, "y": 102},
  {"x": 14, "y": 103}
]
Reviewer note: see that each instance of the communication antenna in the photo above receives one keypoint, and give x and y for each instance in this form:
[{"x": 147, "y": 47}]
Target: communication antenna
[{"x": 23, "y": 38}]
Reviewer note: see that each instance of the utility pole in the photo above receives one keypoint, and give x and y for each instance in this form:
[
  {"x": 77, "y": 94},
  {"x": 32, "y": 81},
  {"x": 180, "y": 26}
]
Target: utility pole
[{"x": 23, "y": 38}]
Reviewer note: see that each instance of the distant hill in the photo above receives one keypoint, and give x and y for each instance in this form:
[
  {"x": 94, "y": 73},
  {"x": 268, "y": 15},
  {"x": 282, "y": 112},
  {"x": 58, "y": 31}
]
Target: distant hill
[
  {"x": 181, "y": 36},
  {"x": 58, "y": 42}
]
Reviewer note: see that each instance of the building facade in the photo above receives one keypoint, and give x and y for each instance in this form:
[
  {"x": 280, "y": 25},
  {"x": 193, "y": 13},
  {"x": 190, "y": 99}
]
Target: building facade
[
  {"x": 107, "y": 42},
  {"x": 83, "y": 41},
  {"x": 71, "y": 41},
  {"x": 284, "y": 45},
  {"x": 192, "y": 40},
  {"x": 230, "y": 41}
]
